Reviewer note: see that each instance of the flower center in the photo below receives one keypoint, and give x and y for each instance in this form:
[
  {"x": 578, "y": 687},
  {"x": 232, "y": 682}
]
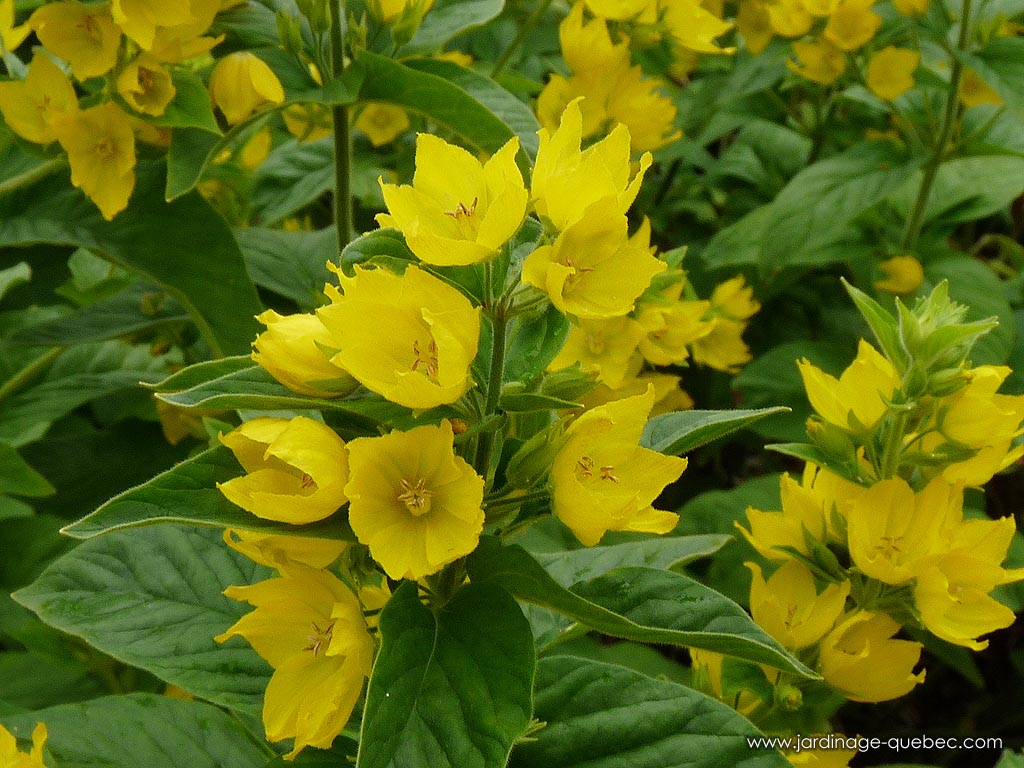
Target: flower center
[
  {"x": 146, "y": 79},
  {"x": 106, "y": 149},
  {"x": 461, "y": 210},
  {"x": 585, "y": 470},
  {"x": 596, "y": 344},
  {"x": 889, "y": 548},
  {"x": 425, "y": 360},
  {"x": 416, "y": 496},
  {"x": 320, "y": 638}
]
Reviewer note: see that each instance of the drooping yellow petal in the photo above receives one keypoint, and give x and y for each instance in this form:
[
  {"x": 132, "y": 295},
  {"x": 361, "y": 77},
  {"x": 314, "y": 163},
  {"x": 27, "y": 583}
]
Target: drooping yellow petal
[
  {"x": 31, "y": 106},
  {"x": 242, "y": 84},
  {"x": 85, "y": 36}
]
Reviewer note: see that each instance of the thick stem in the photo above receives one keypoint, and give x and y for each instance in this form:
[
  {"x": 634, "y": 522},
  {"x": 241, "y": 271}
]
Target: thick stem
[
  {"x": 949, "y": 119},
  {"x": 31, "y": 176},
  {"x": 524, "y": 30},
  {"x": 342, "y": 137}
]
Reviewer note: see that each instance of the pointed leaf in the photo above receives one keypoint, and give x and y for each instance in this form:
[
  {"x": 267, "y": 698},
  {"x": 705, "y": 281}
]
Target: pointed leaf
[
  {"x": 606, "y": 716},
  {"x": 682, "y": 431},
  {"x": 152, "y": 598},
  {"x": 450, "y": 689},
  {"x": 448, "y": 18},
  {"x": 142, "y": 729},
  {"x": 639, "y": 604}
]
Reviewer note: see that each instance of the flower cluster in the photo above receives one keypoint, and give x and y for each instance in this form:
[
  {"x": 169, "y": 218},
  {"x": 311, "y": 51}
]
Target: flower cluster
[
  {"x": 418, "y": 491},
  {"x": 875, "y": 536},
  {"x": 137, "y": 48}
]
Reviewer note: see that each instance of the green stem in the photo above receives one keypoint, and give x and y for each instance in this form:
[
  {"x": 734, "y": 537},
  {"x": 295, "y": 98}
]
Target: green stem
[
  {"x": 499, "y": 322},
  {"x": 29, "y": 373},
  {"x": 949, "y": 119},
  {"x": 524, "y": 30},
  {"x": 342, "y": 137},
  {"x": 890, "y": 460},
  {"x": 30, "y": 177}
]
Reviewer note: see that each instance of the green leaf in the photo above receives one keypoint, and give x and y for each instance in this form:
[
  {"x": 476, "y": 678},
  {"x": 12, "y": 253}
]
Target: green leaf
[
  {"x": 291, "y": 264},
  {"x": 14, "y": 276},
  {"x": 882, "y": 324},
  {"x": 966, "y": 189},
  {"x": 448, "y": 18},
  {"x": 534, "y": 341},
  {"x": 606, "y": 716},
  {"x": 199, "y": 373},
  {"x": 974, "y": 284},
  {"x": 18, "y": 478},
  {"x": 142, "y": 729},
  {"x": 152, "y": 598},
  {"x": 682, "y": 431},
  {"x": 572, "y": 566},
  {"x": 523, "y": 402},
  {"x": 34, "y": 681},
  {"x": 1001, "y": 64},
  {"x": 446, "y": 103},
  {"x": 810, "y": 220},
  {"x": 386, "y": 243},
  {"x": 190, "y": 107},
  {"x": 187, "y": 493},
  {"x": 450, "y": 689},
  {"x": 184, "y": 247},
  {"x": 79, "y": 375},
  {"x": 641, "y": 604},
  {"x": 139, "y": 309},
  {"x": 509, "y": 109}
]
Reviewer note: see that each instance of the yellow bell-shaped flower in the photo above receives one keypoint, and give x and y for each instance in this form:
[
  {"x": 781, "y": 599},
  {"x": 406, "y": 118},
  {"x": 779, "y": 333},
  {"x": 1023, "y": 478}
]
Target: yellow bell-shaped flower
[
  {"x": 242, "y": 84},
  {"x": 294, "y": 350}
]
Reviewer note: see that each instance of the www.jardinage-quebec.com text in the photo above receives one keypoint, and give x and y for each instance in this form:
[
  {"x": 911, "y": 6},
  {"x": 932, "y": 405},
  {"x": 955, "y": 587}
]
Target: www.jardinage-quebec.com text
[{"x": 798, "y": 743}]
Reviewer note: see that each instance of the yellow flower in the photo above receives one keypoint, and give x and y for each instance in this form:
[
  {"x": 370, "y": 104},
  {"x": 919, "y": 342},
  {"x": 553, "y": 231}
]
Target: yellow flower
[
  {"x": 308, "y": 121},
  {"x": 692, "y": 27},
  {"x": 647, "y": 113},
  {"x": 911, "y": 7},
  {"x": 671, "y": 328},
  {"x": 382, "y": 123},
  {"x": 852, "y": 24},
  {"x": 602, "y": 480},
  {"x": 390, "y": 11},
  {"x": 101, "y": 150},
  {"x": 618, "y": 10},
  {"x": 753, "y": 22},
  {"x": 414, "y": 503},
  {"x": 892, "y": 530},
  {"x": 10, "y": 35},
  {"x": 85, "y": 36},
  {"x": 146, "y": 85},
  {"x": 296, "y": 469},
  {"x": 276, "y": 550},
  {"x": 953, "y": 601},
  {"x": 433, "y": 332},
  {"x": 773, "y": 533},
  {"x": 890, "y": 75},
  {"x": 605, "y": 347},
  {"x": 567, "y": 181},
  {"x": 594, "y": 269},
  {"x": 256, "y": 149},
  {"x": 722, "y": 347},
  {"x": 310, "y": 628},
  {"x": 903, "y": 274},
  {"x": 857, "y": 399},
  {"x": 734, "y": 299},
  {"x": 707, "y": 678},
  {"x": 242, "y": 84},
  {"x": 789, "y": 18},
  {"x": 293, "y": 351},
  {"x": 31, "y": 106},
  {"x": 10, "y": 757},
  {"x": 140, "y": 18},
  {"x": 861, "y": 661},
  {"x": 457, "y": 211},
  {"x": 820, "y": 61},
  {"x": 182, "y": 42},
  {"x": 788, "y": 607},
  {"x": 821, "y": 758}
]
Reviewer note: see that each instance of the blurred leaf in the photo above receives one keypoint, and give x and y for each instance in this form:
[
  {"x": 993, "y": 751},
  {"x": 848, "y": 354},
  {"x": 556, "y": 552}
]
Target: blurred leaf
[
  {"x": 291, "y": 264},
  {"x": 187, "y": 493},
  {"x": 448, "y": 18},
  {"x": 131, "y": 594},
  {"x": 14, "y": 276},
  {"x": 33, "y": 681},
  {"x": 154, "y": 239},
  {"x": 967, "y": 189},
  {"x": 139, "y": 309},
  {"x": 682, "y": 431},
  {"x": 974, "y": 284},
  {"x": 18, "y": 478},
  {"x": 640, "y": 604},
  {"x": 1001, "y": 64},
  {"x": 450, "y": 688},
  {"x": 142, "y": 729}
]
